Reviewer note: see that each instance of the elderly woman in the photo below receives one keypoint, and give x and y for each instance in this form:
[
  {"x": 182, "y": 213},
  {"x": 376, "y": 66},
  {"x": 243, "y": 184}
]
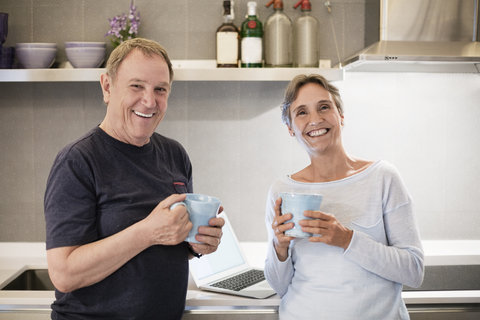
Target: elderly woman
[{"x": 368, "y": 244}]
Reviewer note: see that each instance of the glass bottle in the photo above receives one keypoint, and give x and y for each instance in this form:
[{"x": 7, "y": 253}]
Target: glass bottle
[
  {"x": 228, "y": 37},
  {"x": 305, "y": 38},
  {"x": 252, "y": 36},
  {"x": 278, "y": 37}
]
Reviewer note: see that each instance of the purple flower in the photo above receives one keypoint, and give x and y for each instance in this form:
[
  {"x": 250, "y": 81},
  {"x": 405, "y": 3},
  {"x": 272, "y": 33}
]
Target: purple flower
[{"x": 123, "y": 27}]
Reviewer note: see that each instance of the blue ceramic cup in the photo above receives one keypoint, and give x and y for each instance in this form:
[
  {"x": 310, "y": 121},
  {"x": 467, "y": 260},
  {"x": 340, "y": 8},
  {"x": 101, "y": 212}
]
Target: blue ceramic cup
[
  {"x": 296, "y": 204},
  {"x": 200, "y": 210}
]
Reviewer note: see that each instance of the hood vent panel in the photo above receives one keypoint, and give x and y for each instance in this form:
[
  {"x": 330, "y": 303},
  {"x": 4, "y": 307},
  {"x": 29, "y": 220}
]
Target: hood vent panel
[{"x": 423, "y": 36}]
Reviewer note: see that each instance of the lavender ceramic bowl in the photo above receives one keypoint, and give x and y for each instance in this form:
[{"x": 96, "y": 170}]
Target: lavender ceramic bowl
[
  {"x": 76, "y": 44},
  {"x": 85, "y": 57},
  {"x": 35, "y": 45},
  {"x": 36, "y": 58}
]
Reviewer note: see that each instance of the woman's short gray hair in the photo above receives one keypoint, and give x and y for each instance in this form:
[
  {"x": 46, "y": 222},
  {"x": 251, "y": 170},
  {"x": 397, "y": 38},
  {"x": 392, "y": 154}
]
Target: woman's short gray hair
[{"x": 291, "y": 93}]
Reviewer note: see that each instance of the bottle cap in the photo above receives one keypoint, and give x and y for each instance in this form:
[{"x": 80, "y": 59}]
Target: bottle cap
[
  {"x": 305, "y": 5},
  {"x": 228, "y": 9},
  {"x": 252, "y": 8},
  {"x": 277, "y": 4}
]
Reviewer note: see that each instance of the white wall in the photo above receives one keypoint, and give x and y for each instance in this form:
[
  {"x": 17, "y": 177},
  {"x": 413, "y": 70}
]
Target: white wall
[
  {"x": 425, "y": 124},
  {"x": 428, "y": 126}
]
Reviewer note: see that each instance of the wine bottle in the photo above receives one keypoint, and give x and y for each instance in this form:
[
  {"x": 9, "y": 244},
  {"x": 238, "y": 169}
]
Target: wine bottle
[
  {"x": 305, "y": 38},
  {"x": 278, "y": 37},
  {"x": 252, "y": 36},
  {"x": 228, "y": 37}
]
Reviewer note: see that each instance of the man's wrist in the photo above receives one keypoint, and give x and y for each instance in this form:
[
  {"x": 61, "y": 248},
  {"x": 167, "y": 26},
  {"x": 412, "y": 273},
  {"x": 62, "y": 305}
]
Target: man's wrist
[{"x": 193, "y": 253}]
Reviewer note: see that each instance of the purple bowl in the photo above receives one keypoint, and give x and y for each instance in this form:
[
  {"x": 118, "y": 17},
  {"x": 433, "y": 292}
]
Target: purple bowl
[
  {"x": 36, "y": 58},
  {"x": 85, "y": 57},
  {"x": 75, "y": 44},
  {"x": 35, "y": 45}
]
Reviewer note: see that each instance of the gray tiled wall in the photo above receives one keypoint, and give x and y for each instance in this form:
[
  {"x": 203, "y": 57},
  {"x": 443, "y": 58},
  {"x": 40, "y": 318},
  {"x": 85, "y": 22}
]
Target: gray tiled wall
[
  {"x": 36, "y": 119},
  {"x": 186, "y": 28},
  {"x": 425, "y": 124}
]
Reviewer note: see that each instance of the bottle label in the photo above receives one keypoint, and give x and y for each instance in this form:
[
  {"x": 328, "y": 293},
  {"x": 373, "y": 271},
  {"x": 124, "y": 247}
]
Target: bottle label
[
  {"x": 252, "y": 24},
  {"x": 227, "y": 47},
  {"x": 252, "y": 50}
]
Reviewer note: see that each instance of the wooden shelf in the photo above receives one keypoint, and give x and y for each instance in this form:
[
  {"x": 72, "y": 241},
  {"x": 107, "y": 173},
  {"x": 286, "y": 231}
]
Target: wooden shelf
[{"x": 184, "y": 70}]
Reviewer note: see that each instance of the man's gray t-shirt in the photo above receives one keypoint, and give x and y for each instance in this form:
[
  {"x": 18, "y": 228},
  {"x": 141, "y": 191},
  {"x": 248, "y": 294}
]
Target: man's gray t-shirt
[{"x": 98, "y": 186}]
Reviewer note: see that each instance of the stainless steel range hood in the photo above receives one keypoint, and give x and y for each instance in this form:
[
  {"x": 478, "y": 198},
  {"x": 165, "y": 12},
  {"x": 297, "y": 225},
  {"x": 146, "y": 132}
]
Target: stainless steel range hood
[
  {"x": 418, "y": 56},
  {"x": 423, "y": 36}
]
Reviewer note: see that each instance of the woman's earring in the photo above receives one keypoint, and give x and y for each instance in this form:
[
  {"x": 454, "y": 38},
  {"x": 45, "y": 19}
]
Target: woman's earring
[
  {"x": 342, "y": 122},
  {"x": 292, "y": 133}
]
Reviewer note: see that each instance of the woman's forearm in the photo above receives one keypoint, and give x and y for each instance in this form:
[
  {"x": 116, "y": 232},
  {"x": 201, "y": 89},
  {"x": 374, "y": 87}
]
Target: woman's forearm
[
  {"x": 278, "y": 273},
  {"x": 402, "y": 260}
]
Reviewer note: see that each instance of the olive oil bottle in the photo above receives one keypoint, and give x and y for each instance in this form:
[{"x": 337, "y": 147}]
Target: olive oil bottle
[{"x": 228, "y": 37}]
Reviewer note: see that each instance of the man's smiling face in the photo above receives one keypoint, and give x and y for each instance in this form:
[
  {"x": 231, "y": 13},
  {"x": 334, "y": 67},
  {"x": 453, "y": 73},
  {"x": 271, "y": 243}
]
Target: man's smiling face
[{"x": 137, "y": 99}]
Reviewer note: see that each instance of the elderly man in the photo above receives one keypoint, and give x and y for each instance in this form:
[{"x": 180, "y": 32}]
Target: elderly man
[{"x": 115, "y": 250}]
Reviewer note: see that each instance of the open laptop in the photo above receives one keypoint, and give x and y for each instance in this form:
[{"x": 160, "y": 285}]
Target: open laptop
[{"x": 217, "y": 271}]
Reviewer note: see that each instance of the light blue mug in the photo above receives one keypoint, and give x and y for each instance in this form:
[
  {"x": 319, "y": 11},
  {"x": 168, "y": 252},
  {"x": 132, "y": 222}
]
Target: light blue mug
[
  {"x": 296, "y": 204},
  {"x": 200, "y": 210}
]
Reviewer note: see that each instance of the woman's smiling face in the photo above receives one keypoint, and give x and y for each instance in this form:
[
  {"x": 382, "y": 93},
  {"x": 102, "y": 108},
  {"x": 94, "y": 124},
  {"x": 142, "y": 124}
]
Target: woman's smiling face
[
  {"x": 316, "y": 121},
  {"x": 137, "y": 99}
]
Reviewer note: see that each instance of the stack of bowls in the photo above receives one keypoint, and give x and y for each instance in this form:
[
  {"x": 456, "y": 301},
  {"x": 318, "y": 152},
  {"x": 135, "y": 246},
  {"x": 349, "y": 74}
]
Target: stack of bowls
[
  {"x": 36, "y": 55},
  {"x": 85, "y": 54}
]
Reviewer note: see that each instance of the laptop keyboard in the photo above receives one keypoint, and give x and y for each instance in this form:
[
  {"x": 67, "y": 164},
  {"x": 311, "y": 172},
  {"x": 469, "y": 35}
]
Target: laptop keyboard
[{"x": 241, "y": 281}]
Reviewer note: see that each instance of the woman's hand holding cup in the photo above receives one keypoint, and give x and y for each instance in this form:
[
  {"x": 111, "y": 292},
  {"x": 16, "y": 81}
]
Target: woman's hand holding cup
[
  {"x": 281, "y": 241},
  {"x": 327, "y": 226}
]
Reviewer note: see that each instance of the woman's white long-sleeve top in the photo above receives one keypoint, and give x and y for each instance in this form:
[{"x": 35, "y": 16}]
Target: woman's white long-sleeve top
[{"x": 319, "y": 281}]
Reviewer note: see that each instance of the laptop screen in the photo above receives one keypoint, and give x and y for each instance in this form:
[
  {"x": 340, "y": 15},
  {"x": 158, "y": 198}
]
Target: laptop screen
[{"x": 227, "y": 256}]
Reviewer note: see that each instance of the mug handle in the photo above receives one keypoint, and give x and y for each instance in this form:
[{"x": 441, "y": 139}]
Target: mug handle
[{"x": 176, "y": 204}]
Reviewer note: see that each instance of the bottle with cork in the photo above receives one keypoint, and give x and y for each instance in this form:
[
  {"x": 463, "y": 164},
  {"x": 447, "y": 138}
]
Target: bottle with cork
[{"x": 227, "y": 39}]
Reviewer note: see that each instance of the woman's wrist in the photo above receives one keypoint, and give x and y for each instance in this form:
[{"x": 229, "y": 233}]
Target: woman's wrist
[
  {"x": 349, "y": 239},
  {"x": 282, "y": 251}
]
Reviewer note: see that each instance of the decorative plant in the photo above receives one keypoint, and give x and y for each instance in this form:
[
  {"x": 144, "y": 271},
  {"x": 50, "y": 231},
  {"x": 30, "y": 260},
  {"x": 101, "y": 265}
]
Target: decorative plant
[{"x": 123, "y": 27}]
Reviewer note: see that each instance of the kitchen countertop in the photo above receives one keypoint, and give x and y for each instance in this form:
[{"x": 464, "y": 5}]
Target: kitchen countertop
[{"x": 18, "y": 257}]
